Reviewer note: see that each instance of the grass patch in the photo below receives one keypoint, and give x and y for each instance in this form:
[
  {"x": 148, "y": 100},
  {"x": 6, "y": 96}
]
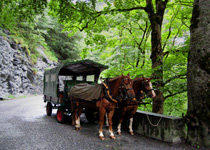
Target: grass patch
[
  {"x": 50, "y": 54},
  {"x": 34, "y": 71},
  {"x": 11, "y": 97}
]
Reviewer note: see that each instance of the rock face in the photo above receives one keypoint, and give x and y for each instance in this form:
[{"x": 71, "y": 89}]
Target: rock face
[{"x": 17, "y": 75}]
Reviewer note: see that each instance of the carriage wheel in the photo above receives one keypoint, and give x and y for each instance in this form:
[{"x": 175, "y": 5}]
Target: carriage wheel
[
  {"x": 49, "y": 109},
  {"x": 61, "y": 117}
]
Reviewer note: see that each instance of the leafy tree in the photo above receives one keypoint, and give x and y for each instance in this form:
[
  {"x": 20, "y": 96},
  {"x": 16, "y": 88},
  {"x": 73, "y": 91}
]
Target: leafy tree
[
  {"x": 58, "y": 41},
  {"x": 14, "y": 10}
]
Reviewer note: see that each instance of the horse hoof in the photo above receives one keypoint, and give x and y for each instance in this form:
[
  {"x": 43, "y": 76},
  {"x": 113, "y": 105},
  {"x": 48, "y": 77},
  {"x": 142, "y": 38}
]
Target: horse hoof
[
  {"x": 78, "y": 128},
  {"x": 101, "y": 137},
  {"x": 113, "y": 137},
  {"x": 131, "y": 133},
  {"x": 119, "y": 133}
]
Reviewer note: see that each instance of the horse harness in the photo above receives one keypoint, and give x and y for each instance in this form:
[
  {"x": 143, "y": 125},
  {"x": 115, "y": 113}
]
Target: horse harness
[{"x": 108, "y": 94}]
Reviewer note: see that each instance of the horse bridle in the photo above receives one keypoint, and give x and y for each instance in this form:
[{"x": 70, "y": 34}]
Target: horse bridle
[
  {"x": 147, "y": 90},
  {"x": 123, "y": 87},
  {"x": 125, "y": 90}
]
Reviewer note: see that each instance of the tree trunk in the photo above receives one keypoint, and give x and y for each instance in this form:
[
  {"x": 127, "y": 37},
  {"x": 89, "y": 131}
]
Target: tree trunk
[
  {"x": 156, "y": 20},
  {"x": 157, "y": 63},
  {"x": 198, "y": 76}
]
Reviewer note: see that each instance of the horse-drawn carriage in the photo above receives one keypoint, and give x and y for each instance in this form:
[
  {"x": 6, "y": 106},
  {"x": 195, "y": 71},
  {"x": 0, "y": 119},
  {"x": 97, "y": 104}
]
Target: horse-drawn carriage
[
  {"x": 59, "y": 80},
  {"x": 81, "y": 77}
]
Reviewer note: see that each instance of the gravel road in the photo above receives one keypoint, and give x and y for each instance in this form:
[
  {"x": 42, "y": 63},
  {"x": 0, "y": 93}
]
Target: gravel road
[{"x": 24, "y": 125}]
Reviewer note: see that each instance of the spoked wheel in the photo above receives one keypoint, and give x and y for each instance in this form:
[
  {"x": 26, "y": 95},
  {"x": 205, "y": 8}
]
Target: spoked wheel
[
  {"x": 49, "y": 109},
  {"x": 61, "y": 117}
]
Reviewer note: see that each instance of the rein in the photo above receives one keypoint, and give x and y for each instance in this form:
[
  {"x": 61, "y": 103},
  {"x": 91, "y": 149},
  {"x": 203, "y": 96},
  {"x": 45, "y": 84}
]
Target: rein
[
  {"x": 139, "y": 103},
  {"x": 146, "y": 89},
  {"x": 149, "y": 90}
]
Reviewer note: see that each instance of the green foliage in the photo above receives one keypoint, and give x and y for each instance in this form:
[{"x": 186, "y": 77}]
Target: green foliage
[
  {"x": 57, "y": 41},
  {"x": 51, "y": 55},
  {"x": 22, "y": 10},
  {"x": 46, "y": 33},
  {"x": 11, "y": 96},
  {"x": 32, "y": 31},
  {"x": 34, "y": 71},
  {"x": 176, "y": 105}
]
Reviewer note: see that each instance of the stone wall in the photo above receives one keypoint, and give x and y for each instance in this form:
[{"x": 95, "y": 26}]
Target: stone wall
[
  {"x": 161, "y": 127},
  {"x": 17, "y": 75}
]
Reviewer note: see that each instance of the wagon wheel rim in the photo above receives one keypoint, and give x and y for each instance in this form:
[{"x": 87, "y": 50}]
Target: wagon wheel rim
[
  {"x": 49, "y": 109},
  {"x": 59, "y": 115}
]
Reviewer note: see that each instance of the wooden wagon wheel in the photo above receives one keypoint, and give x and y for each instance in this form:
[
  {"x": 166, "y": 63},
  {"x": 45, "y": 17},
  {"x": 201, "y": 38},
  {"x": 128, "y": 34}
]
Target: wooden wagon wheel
[
  {"x": 49, "y": 109},
  {"x": 61, "y": 117}
]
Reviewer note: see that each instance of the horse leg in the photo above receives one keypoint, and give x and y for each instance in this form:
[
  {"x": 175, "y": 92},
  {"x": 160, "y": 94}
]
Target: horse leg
[
  {"x": 73, "y": 113},
  {"x": 107, "y": 121},
  {"x": 131, "y": 120},
  {"x": 77, "y": 125},
  {"x": 102, "y": 112},
  {"x": 110, "y": 115},
  {"x": 121, "y": 120},
  {"x": 75, "y": 117}
]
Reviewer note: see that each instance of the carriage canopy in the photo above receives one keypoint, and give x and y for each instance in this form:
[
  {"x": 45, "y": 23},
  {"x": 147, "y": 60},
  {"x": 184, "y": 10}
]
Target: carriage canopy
[{"x": 73, "y": 69}]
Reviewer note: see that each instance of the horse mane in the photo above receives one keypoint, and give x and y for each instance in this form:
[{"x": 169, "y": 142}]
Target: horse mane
[
  {"x": 114, "y": 89},
  {"x": 138, "y": 79},
  {"x": 115, "y": 78}
]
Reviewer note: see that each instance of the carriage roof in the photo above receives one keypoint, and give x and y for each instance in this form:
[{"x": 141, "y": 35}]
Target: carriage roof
[{"x": 78, "y": 68}]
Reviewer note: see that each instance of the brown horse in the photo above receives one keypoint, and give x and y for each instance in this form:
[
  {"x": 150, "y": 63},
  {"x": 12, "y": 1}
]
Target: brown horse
[
  {"x": 106, "y": 103},
  {"x": 139, "y": 85}
]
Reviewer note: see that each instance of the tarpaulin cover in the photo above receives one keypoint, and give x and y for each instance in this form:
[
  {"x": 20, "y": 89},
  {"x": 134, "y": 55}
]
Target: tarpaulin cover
[{"x": 86, "y": 91}]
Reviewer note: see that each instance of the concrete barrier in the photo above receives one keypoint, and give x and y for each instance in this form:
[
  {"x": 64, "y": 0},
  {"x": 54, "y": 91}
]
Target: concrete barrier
[{"x": 158, "y": 126}]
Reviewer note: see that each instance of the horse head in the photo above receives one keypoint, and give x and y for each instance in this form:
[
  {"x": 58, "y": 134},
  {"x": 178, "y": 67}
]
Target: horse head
[
  {"x": 148, "y": 87},
  {"x": 127, "y": 88}
]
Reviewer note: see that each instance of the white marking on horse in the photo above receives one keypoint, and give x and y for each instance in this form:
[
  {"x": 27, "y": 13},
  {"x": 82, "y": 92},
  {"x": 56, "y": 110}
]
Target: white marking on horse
[
  {"x": 130, "y": 125},
  {"x": 78, "y": 123},
  {"x": 101, "y": 134},
  {"x": 119, "y": 128},
  {"x": 153, "y": 92},
  {"x": 111, "y": 133}
]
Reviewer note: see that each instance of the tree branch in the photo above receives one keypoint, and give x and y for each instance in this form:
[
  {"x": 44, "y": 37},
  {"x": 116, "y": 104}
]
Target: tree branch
[
  {"x": 145, "y": 31},
  {"x": 87, "y": 23},
  {"x": 185, "y": 24},
  {"x": 173, "y": 94},
  {"x": 99, "y": 13},
  {"x": 128, "y": 9},
  {"x": 169, "y": 34},
  {"x": 174, "y": 77},
  {"x": 176, "y": 35}
]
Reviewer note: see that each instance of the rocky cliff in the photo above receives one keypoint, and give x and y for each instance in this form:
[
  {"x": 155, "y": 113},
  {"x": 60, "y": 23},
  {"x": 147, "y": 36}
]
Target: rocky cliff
[{"x": 17, "y": 75}]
